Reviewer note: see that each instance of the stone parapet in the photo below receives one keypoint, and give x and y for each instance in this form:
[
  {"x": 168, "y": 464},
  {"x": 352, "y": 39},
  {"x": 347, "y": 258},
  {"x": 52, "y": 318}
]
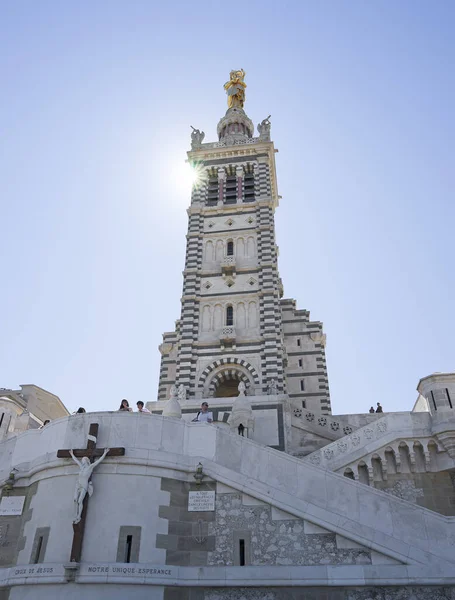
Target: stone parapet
[
  {"x": 373, "y": 437},
  {"x": 157, "y": 445}
]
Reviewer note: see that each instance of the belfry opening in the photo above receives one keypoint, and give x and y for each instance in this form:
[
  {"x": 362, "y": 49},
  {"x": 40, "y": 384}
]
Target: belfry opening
[{"x": 228, "y": 388}]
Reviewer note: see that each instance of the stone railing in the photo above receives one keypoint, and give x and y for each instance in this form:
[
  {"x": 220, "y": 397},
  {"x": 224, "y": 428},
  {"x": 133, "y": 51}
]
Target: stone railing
[
  {"x": 227, "y": 333},
  {"x": 408, "y": 533},
  {"x": 370, "y": 438},
  {"x": 228, "y": 264},
  {"x": 223, "y": 144},
  {"x": 324, "y": 423}
]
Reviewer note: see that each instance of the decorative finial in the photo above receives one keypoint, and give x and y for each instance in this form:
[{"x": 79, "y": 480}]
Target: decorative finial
[
  {"x": 172, "y": 407},
  {"x": 264, "y": 129},
  {"x": 235, "y": 89},
  {"x": 196, "y": 138}
]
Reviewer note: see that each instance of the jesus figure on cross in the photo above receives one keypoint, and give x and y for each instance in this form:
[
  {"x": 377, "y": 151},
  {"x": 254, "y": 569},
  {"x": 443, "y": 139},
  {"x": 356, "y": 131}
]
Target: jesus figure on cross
[{"x": 83, "y": 485}]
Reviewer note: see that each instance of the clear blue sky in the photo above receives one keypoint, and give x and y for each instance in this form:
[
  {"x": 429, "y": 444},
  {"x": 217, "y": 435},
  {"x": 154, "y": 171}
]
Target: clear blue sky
[{"x": 97, "y": 100}]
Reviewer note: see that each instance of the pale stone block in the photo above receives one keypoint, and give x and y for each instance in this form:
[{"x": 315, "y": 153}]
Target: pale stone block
[
  {"x": 343, "y": 496},
  {"x": 24, "y": 448},
  {"x": 440, "y": 532},
  {"x": 149, "y": 431},
  {"x": 322, "y": 517},
  {"x": 317, "y": 574},
  {"x": 375, "y": 509},
  {"x": 311, "y": 528},
  {"x": 408, "y": 523},
  {"x": 122, "y": 432},
  {"x": 354, "y": 530},
  {"x": 259, "y": 573},
  {"x": 421, "y": 556},
  {"x": 282, "y": 473},
  {"x": 266, "y": 426},
  {"x": 93, "y": 572},
  {"x": 34, "y": 574},
  {"x": 201, "y": 440},
  {"x": 261, "y": 490},
  {"x": 224, "y": 489},
  {"x": 393, "y": 547},
  {"x": 345, "y": 574},
  {"x": 250, "y": 501},
  {"x": 385, "y": 573},
  {"x": 133, "y": 455},
  {"x": 50, "y": 437},
  {"x": 436, "y": 573},
  {"x": 381, "y": 559},
  {"x": 172, "y": 435},
  {"x": 345, "y": 543},
  {"x": 281, "y": 515},
  {"x": 288, "y": 502},
  {"x": 254, "y": 462},
  {"x": 212, "y": 574},
  {"x": 92, "y": 591},
  {"x": 128, "y": 469},
  {"x": 138, "y": 507},
  {"x": 76, "y": 430},
  {"x": 228, "y": 450},
  {"x": 312, "y": 486},
  {"x": 58, "y": 514}
]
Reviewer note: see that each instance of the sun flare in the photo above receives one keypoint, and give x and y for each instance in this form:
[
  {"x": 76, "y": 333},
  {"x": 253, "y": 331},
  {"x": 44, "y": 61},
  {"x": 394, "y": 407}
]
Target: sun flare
[{"x": 194, "y": 174}]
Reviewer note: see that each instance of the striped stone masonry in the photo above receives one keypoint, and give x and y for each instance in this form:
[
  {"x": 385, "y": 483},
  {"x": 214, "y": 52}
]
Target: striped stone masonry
[
  {"x": 235, "y": 202},
  {"x": 168, "y": 350},
  {"x": 305, "y": 350}
]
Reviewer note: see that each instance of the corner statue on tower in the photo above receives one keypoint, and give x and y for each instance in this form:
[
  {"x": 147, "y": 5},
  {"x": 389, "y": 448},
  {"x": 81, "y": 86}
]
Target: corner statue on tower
[{"x": 235, "y": 89}]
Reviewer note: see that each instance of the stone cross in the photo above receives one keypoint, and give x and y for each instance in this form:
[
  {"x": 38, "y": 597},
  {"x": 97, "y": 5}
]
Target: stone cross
[{"x": 92, "y": 453}]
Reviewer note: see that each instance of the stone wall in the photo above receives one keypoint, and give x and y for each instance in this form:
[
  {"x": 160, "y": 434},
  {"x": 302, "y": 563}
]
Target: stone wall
[
  {"x": 12, "y": 538},
  {"x": 435, "y": 491},
  {"x": 311, "y": 593},
  {"x": 272, "y": 537},
  {"x": 188, "y": 540},
  {"x": 304, "y": 341},
  {"x": 269, "y": 536}
]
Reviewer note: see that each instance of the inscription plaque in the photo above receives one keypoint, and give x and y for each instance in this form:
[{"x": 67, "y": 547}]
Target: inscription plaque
[
  {"x": 201, "y": 501},
  {"x": 11, "y": 506}
]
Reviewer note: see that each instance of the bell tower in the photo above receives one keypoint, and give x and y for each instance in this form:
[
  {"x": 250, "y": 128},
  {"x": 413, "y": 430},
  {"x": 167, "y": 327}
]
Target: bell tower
[{"x": 234, "y": 325}]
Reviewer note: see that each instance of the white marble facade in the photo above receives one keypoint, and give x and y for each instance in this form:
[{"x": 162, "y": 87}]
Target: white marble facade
[
  {"x": 307, "y": 504},
  {"x": 394, "y": 537}
]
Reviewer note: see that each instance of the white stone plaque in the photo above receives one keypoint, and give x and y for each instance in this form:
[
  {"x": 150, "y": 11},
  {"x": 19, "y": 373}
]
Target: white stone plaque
[
  {"x": 11, "y": 505},
  {"x": 201, "y": 501},
  {"x": 133, "y": 570}
]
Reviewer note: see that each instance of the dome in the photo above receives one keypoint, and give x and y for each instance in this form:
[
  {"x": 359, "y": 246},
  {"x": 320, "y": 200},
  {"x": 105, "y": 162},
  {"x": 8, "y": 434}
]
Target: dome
[{"x": 235, "y": 126}]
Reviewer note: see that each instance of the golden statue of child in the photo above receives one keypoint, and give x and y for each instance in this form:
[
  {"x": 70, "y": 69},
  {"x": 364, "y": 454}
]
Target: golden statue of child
[{"x": 235, "y": 89}]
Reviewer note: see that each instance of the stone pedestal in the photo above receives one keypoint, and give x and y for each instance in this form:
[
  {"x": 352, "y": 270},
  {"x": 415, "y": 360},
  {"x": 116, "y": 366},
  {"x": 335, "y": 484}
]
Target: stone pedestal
[{"x": 172, "y": 409}]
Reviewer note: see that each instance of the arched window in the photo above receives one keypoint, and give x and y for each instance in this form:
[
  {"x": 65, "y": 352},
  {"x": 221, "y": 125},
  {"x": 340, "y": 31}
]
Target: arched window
[
  {"x": 229, "y": 315},
  {"x": 248, "y": 186},
  {"x": 231, "y": 190},
  {"x": 349, "y": 473},
  {"x": 230, "y": 248},
  {"x": 212, "y": 191}
]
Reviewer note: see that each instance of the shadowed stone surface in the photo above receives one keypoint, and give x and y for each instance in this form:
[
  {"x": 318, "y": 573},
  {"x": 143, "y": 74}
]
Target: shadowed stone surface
[
  {"x": 12, "y": 539},
  {"x": 370, "y": 593},
  {"x": 274, "y": 542},
  {"x": 187, "y": 542}
]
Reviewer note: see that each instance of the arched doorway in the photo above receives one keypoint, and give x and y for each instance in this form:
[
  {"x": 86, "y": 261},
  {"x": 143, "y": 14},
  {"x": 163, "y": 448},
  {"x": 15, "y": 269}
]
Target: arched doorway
[
  {"x": 225, "y": 382},
  {"x": 224, "y": 369},
  {"x": 227, "y": 389}
]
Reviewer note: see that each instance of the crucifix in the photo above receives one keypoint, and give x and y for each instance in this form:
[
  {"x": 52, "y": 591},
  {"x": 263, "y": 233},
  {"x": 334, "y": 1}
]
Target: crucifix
[{"x": 90, "y": 458}]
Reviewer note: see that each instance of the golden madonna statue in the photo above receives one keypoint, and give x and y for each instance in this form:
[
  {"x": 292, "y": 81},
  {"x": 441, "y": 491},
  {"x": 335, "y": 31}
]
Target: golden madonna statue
[{"x": 235, "y": 89}]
